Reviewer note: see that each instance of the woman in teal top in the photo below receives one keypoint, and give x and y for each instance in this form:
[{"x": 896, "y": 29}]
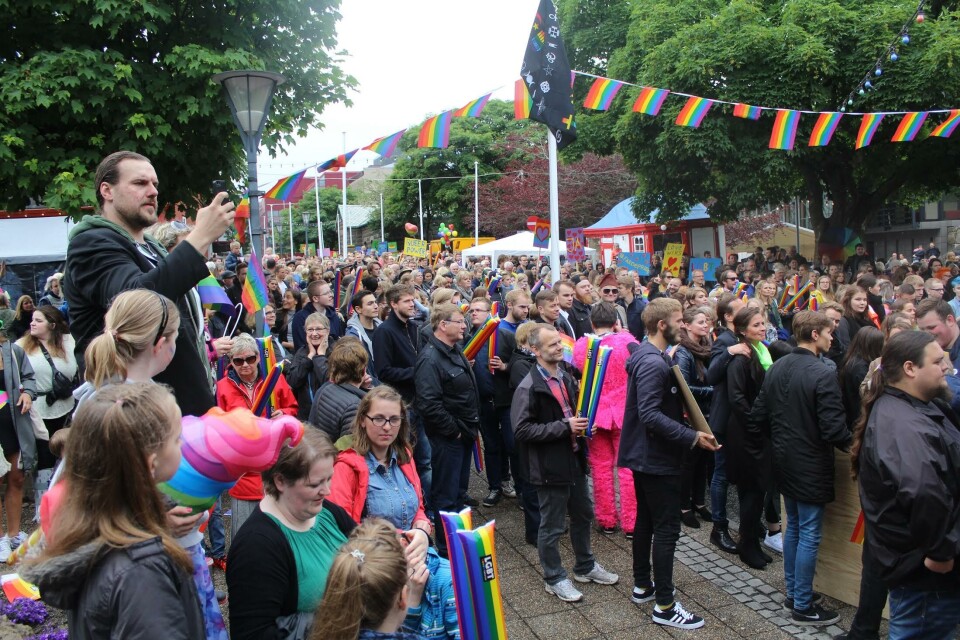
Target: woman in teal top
[{"x": 278, "y": 563}]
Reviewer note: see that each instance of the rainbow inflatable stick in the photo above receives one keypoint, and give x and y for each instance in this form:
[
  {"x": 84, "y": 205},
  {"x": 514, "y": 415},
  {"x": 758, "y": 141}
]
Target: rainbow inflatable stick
[
  {"x": 480, "y": 560},
  {"x": 466, "y": 614},
  {"x": 219, "y": 447}
]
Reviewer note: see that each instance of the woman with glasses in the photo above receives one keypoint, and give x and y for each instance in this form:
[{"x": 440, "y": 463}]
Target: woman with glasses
[
  {"x": 238, "y": 390},
  {"x": 309, "y": 368}
]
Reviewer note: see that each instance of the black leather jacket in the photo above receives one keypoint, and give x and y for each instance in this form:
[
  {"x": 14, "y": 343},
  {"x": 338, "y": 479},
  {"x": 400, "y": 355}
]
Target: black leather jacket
[{"x": 447, "y": 396}]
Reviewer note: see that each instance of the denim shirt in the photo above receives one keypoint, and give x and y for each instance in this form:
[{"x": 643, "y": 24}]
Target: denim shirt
[{"x": 389, "y": 494}]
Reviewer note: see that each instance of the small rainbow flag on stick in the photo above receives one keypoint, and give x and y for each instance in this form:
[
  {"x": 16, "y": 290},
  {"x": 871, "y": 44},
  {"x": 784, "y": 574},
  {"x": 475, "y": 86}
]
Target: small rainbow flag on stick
[
  {"x": 868, "y": 127},
  {"x": 650, "y": 100},
  {"x": 568, "y": 345},
  {"x": 477, "y": 455},
  {"x": 784, "y": 132},
  {"x": 285, "y": 187},
  {"x": 473, "y": 108},
  {"x": 857, "y": 536},
  {"x": 357, "y": 285},
  {"x": 694, "y": 112},
  {"x": 521, "y": 101},
  {"x": 212, "y": 296},
  {"x": 602, "y": 93},
  {"x": 262, "y": 402},
  {"x": 824, "y": 129},
  {"x": 493, "y": 343},
  {"x": 254, "y": 295},
  {"x": 747, "y": 111},
  {"x": 386, "y": 145},
  {"x": 268, "y": 361},
  {"x": 909, "y": 126},
  {"x": 435, "y": 132},
  {"x": 946, "y": 128}
]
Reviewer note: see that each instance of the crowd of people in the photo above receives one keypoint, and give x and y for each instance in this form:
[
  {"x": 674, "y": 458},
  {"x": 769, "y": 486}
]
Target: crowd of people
[{"x": 787, "y": 361}]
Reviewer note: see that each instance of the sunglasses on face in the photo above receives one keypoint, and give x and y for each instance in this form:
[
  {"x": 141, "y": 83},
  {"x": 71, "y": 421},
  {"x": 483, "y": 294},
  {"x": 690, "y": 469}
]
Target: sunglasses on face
[
  {"x": 609, "y": 291},
  {"x": 239, "y": 362}
]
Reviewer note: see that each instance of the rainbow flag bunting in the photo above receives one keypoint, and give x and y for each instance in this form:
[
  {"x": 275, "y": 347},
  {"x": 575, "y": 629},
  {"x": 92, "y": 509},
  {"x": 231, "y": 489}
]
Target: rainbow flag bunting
[
  {"x": 946, "y": 128},
  {"x": 435, "y": 132},
  {"x": 4, "y": 399},
  {"x": 694, "y": 112},
  {"x": 386, "y": 145},
  {"x": 650, "y": 100},
  {"x": 268, "y": 362},
  {"x": 483, "y": 575},
  {"x": 285, "y": 187},
  {"x": 336, "y": 163},
  {"x": 212, "y": 296},
  {"x": 909, "y": 126},
  {"x": 473, "y": 108},
  {"x": 784, "y": 132},
  {"x": 824, "y": 129},
  {"x": 602, "y": 93},
  {"x": 747, "y": 111},
  {"x": 868, "y": 127},
  {"x": 254, "y": 295},
  {"x": 521, "y": 101}
]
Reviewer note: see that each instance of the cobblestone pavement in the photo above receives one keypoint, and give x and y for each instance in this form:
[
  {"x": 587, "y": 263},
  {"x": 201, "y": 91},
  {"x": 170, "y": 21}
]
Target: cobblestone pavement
[{"x": 734, "y": 600}]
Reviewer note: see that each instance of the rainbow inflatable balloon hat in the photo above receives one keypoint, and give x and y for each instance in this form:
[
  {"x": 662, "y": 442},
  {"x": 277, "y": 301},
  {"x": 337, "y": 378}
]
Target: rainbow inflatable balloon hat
[{"x": 219, "y": 447}]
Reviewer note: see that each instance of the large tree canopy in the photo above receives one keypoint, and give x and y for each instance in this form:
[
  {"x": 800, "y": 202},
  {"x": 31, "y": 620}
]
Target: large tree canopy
[
  {"x": 82, "y": 79},
  {"x": 791, "y": 54}
]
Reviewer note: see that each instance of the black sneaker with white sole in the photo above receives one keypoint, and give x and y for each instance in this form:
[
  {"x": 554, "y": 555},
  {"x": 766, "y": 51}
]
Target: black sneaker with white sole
[
  {"x": 641, "y": 595},
  {"x": 815, "y": 616},
  {"x": 677, "y": 616},
  {"x": 815, "y": 600}
]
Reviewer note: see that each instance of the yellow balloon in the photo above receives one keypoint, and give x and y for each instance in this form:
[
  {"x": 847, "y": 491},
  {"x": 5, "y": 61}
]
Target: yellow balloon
[{"x": 455, "y": 234}]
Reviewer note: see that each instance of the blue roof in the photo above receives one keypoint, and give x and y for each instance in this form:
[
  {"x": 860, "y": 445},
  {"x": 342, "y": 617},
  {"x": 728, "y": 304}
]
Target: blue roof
[{"x": 621, "y": 215}]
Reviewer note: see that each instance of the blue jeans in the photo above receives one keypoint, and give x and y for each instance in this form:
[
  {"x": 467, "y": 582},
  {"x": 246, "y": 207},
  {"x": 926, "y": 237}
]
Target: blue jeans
[
  {"x": 718, "y": 487},
  {"x": 801, "y": 542},
  {"x": 556, "y": 503},
  {"x": 923, "y": 615},
  {"x": 218, "y": 536},
  {"x": 451, "y": 470},
  {"x": 422, "y": 458}
]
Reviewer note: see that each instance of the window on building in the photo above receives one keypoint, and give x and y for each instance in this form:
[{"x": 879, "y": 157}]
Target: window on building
[{"x": 638, "y": 244}]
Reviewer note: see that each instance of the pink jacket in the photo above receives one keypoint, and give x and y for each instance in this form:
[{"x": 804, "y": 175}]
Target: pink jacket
[
  {"x": 351, "y": 478},
  {"x": 613, "y": 394}
]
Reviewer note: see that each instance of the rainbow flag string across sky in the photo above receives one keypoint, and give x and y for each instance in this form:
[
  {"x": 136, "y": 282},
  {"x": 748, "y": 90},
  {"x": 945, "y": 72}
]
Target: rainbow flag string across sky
[
  {"x": 386, "y": 145},
  {"x": 522, "y": 103},
  {"x": 435, "y": 132},
  {"x": 868, "y": 127},
  {"x": 909, "y": 127},
  {"x": 285, "y": 187},
  {"x": 694, "y": 112},
  {"x": 650, "y": 100},
  {"x": 602, "y": 93},
  {"x": 824, "y": 129},
  {"x": 785, "y": 129},
  {"x": 473, "y": 108},
  {"x": 747, "y": 111}
]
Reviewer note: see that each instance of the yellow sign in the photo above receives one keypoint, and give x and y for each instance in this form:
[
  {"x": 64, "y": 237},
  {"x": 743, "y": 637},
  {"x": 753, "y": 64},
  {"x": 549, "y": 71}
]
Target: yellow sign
[
  {"x": 415, "y": 248},
  {"x": 672, "y": 257}
]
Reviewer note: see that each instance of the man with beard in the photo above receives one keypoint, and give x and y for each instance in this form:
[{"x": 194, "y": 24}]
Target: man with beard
[
  {"x": 652, "y": 445},
  {"x": 109, "y": 253}
]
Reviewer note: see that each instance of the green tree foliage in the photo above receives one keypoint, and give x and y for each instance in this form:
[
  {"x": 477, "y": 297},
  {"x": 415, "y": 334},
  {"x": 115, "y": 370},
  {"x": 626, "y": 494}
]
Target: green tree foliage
[
  {"x": 791, "y": 54},
  {"x": 80, "y": 79}
]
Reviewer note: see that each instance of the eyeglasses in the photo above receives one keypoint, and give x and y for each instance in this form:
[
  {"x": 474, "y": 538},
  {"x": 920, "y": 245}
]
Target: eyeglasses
[
  {"x": 609, "y": 291},
  {"x": 239, "y": 362},
  {"x": 380, "y": 421},
  {"x": 734, "y": 278},
  {"x": 460, "y": 321},
  {"x": 316, "y": 330}
]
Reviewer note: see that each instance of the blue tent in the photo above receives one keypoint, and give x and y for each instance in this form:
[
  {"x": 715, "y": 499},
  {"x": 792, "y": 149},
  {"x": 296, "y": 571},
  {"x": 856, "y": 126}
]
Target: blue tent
[{"x": 621, "y": 215}]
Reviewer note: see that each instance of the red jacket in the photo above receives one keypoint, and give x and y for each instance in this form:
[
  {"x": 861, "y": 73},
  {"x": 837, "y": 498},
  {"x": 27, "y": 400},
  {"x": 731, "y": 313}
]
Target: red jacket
[
  {"x": 351, "y": 478},
  {"x": 231, "y": 394}
]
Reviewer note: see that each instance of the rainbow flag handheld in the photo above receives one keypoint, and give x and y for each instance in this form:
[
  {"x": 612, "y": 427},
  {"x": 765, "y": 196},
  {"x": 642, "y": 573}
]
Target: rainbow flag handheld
[
  {"x": 212, "y": 296},
  {"x": 477, "y": 455},
  {"x": 521, "y": 101},
  {"x": 694, "y": 112},
  {"x": 857, "y": 536},
  {"x": 261, "y": 402},
  {"x": 483, "y": 575},
  {"x": 568, "y": 344},
  {"x": 650, "y": 100},
  {"x": 435, "y": 132},
  {"x": 784, "y": 129},
  {"x": 599, "y": 374},
  {"x": 946, "y": 128},
  {"x": 796, "y": 298},
  {"x": 473, "y": 108},
  {"x": 268, "y": 362},
  {"x": 357, "y": 283},
  {"x": 386, "y": 145},
  {"x": 868, "y": 127},
  {"x": 814, "y": 302},
  {"x": 254, "y": 295},
  {"x": 285, "y": 187},
  {"x": 747, "y": 111},
  {"x": 909, "y": 126},
  {"x": 493, "y": 343},
  {"x": 494, "y": 308},
  {"x": 602, "y": 93},
  {"x": 15, "y": 587},
  {"x": 824, "y": 129},
  {"x": 586, "y": 377}
]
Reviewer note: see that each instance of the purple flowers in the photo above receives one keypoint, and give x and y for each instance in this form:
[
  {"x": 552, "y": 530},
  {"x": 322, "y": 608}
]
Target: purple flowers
[{"x": 26, "y": 611}]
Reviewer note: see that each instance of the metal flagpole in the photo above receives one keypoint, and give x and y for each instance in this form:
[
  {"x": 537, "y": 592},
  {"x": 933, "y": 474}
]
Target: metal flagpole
[
  {"x": 554, "y": 210},
  {"x": 290, "y": 214},
  {"x": 316, "y": 192},
  {"x": 344, "y": 187},
  {"x": 382, "y": 238},
  {"x": 420, "y": 193},
  {"x": 476, "y": 204},
  {"x": 273, "y": 233}
]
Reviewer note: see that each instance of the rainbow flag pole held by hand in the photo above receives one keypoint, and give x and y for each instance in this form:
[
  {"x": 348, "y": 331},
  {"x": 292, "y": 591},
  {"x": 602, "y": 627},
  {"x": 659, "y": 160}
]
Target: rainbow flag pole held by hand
[{"x": 254, "y": 295}]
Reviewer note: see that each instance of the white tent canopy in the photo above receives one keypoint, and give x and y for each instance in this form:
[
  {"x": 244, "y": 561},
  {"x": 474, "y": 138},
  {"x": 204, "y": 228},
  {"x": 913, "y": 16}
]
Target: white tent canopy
[{"x": 520, "y": 244}]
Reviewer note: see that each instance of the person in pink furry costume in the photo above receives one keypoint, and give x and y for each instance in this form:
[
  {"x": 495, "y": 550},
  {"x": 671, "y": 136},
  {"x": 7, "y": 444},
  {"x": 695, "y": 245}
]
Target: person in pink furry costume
[{"x": 609, "y": 421}]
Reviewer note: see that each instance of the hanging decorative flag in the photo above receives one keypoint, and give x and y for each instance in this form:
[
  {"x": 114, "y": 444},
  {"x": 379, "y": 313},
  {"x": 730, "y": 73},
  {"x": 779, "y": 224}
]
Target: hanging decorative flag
[
  {"x": 824, "y": 129},
  {"x": 473, "y": 108},
  {"x": 747, "y": 111},
  {"x": 435, "y": 132},
  {"x": 254, "y": 295},
  {"x": 285, "y": 187},
  {"x": 784, "y": 132},
  {"x": 386, "y": 145},
  {"x": 338, "y": 162},
  {"x": 694, "y": 112},
  {"x": 602, "y": 93},
  {"x": 946, "y": 128},
  {"x": 545, "y": 68},
  {"x": 868, "y": 127},
  {"x": 521, "y": 101},
  {"x": 650, "y": 100},
  {"x": 909, "y": 126}
]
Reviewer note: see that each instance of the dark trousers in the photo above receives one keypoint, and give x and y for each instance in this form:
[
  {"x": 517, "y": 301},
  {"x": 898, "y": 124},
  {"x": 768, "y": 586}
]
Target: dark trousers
[
  {"x": 751, "y": 508},
  {"x": 556, "y": 503},
  {"x": 718, "y": 486},
  {"x": 451, "y": 475},
  {"x": 526, "y": 493},
  {"x": 693, "y": 478},
  {"x": 657, "y": 530},
  {"x": 873, "y": 596},
  {"x": 493, "y": 447}
]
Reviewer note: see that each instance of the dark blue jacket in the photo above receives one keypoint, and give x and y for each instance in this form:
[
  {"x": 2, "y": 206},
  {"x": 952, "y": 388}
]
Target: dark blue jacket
[
  {"x": 717, "y": 378},
  {"x": 395, "y": 348},
  {"x": 654, "y": 437},
  {"x": 635, "y": 317}
]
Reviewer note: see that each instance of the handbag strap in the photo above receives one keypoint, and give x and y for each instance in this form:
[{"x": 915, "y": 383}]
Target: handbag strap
[{"x": 46, "y": 355}]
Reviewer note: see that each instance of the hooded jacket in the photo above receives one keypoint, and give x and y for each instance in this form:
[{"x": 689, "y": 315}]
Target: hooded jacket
[
  {"x": 102, "y": 261},
  {"x": 356, "y": 329},
  {"x": 16, "y": 380},
  {"x": 136, "y": 592}
]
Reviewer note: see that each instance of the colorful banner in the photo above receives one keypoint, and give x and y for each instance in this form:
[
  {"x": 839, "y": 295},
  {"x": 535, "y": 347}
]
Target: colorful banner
[
  {"x": 415, "y": 248},
  {"x": 473, "y": 108},
  {"x": 635, "y": 261},
  {"x": 392, "y": 247},
  {"x": 285, "y": 187},
  {"x": 650, "y": 100},
  {"x": 746, "y": 111},
  {"x": 673, "y": 257},
  {"x": 868, "y": 127},
  {"x": 435, "y": 132},
  {"x": 824, "y": 129},
  {"x": 694, "y": 112},
  {"x": 946, "y": 128},
  {"x": 254, "y": 294},
  {"x": 576, "y": 242},
  {"x": 909, "y": 127},
  {"x": 483, "y": 574},
  {"x": 602, "y": 93},
  {"x": 709, "y": 267},
  {"x": 386, "y": 145},
  {"x": 541, "y": 235},
  {"x": 521, "y": 101},
  {"x": 784, "y": 129}
]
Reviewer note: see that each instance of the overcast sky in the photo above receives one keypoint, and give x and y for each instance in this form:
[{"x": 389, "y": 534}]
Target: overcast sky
[{"x": 411, "y": 59}]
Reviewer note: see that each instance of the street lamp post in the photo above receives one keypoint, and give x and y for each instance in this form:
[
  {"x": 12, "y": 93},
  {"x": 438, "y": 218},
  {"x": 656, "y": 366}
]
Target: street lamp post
[{"x": 249, "y": 96}]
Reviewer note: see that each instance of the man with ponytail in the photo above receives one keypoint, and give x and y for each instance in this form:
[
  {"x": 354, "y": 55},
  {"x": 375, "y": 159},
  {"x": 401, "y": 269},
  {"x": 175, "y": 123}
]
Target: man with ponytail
[{"x": 906, "y": 453}]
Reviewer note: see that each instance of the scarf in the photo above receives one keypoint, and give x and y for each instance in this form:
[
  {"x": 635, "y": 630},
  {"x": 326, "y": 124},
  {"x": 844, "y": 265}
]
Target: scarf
[
  {"x": 699, "y": 350},
  {"x": 763, "y": 354}
]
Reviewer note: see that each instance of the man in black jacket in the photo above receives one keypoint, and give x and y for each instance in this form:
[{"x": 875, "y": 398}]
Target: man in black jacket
[
  {"x": 800, "y": 409},
  {"x": 908, "y": 465},
  {"x": 110, "y": 253},
  {"x": 449, "y": 405},
  {"x": 633, "y": 304},
  {"x": 555, "y": 450}
]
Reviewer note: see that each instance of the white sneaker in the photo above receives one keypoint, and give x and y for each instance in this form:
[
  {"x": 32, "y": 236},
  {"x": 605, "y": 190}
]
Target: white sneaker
[
  {"x": 509, "y": 491},
  {"x": 18, "y": 539},
  {"x": 774, "y": 542},
  {"x": 5, "y": 549},
  {"x": 598, "y": 574},
  {"x": 564, "y": 590}
]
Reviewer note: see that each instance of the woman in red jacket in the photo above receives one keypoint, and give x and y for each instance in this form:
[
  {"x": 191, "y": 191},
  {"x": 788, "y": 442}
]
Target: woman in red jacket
[{"x": 237, "y": 390}]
